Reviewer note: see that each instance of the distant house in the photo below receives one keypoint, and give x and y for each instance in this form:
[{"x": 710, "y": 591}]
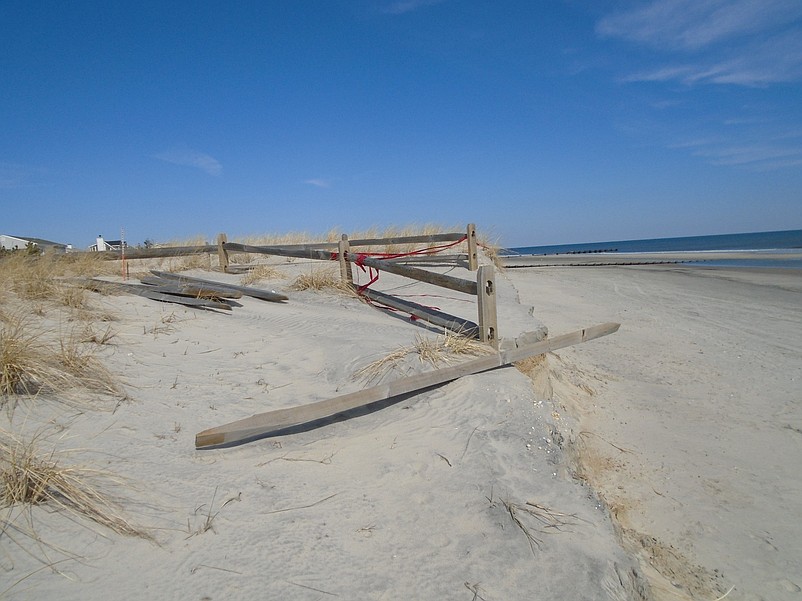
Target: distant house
[
  {"x": 102, "y": 245},
  {"x": 21, "y": 243}
]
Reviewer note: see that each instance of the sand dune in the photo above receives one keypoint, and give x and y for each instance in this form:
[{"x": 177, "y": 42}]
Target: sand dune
[{"x": 460, "y": 492}]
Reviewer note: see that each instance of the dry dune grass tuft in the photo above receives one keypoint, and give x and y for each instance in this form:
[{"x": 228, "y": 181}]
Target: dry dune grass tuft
[
  {"x": 185, "y": 263},
  {"x": 260, "y": 273},
  {"x": 441, "y": 349},
  {"x": 33, "y": 360},
  {"x": 281, "y": 239},
  {"x": 30, "y": 477},
  {"x": 322, "y": 278},
  {"x": 491, "y": 249},
  {"x": 86, "y": 264},
  {"x": 20, "y": 356},
  {"x": 47, "y": 281}
]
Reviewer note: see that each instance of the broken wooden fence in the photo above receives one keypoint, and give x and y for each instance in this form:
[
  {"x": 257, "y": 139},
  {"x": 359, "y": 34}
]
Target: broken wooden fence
[
  {"x": 484, "y": 287},
  {"x": 402, "y": 264}
]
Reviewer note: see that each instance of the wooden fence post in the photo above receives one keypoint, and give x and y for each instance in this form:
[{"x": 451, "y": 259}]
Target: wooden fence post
[
  {"x": 486, "y": 298},
  {"x": 222, "y": 253},
  {"x": 473, "y": 259},
  {"x": 345, "y": 267}
]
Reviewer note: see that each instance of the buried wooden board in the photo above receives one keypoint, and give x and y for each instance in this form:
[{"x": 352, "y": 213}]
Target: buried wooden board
[
  {"x": 268, "y": 295},
  {"x": 263, "y": 424},
  {"x": 189, "y": 289},
  {"x": 154, "y": 294}
]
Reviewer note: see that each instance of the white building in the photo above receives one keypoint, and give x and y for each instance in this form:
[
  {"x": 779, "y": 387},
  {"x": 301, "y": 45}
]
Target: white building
[
  {"x": 8, "y": 242},
  {"x": 102, "y": 245}
]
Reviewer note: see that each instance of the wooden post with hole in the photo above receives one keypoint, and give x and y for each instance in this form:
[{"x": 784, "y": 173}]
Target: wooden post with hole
[
  {"x": 486, "y": 297},
  {"x": 222, "y": 253},
  {"x": 473, "y": 259},
  {"x": 345, "y": 267}
]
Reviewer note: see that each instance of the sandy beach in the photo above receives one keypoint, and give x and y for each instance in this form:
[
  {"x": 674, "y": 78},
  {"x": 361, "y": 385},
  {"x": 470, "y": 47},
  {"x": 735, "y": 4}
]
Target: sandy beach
[
  {"x": 664, "y": 467},
  {"x": 458, "y": 492},
  {"x": 690, "y": 417}
]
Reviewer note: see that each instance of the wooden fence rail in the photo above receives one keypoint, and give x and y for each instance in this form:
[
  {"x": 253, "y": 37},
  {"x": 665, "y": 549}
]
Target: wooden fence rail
[{"x": 483, "y": 288}]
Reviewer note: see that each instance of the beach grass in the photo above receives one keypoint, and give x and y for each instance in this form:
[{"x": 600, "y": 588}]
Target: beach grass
[
  {"x": 35, "y": 360},
  {"x": 260, "y": 273},
  {"x": 318, "y": 279},
  {"x": 30, "y": 476},
  {"x": 442, "y": 349}
]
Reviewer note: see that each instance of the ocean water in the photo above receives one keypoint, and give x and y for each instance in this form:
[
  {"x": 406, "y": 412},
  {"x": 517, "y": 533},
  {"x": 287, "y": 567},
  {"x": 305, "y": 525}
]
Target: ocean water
[{"x": 768, "y": 242}]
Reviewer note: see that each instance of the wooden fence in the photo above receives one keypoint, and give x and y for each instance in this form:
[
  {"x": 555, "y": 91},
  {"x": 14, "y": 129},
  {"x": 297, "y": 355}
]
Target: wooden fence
[{"x": 406, "y": 264}]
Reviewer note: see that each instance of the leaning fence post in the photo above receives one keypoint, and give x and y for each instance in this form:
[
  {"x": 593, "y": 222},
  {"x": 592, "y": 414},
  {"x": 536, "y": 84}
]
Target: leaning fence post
[
  {"x": 486, "y": 298},
  {"x": 473, "y": 261},
  {"x": 222, "y": 253},
  {"x": 345, "y": 267}
]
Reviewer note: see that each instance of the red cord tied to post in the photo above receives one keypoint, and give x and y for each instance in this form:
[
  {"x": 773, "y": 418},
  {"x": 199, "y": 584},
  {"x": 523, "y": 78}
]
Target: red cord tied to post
[{"x": 372, "y": 273}]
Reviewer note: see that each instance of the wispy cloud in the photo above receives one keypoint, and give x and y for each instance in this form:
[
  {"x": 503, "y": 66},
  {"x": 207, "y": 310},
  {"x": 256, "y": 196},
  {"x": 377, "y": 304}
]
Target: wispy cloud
[
  {"x": 183, "y": 155},
  {"x": 407, "y": 6},
  {"x": 756, "y": 157},
  {"x": 754, "y": 151},
  {"x": 711, "y": 47},
  {"x": 740, "y": 42},
  {"x": 693, "y": 24},
  {"x": 757, "y": 64},
  {"x": 320, "y": 183}
]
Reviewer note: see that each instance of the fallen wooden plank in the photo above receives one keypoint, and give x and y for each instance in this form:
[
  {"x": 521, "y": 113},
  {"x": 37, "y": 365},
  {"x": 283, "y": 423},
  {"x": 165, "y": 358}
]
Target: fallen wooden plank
[
  {"x": 189, "y": 288},
  {"x": 148, "y": 292},
  {"x": 438, "y": 318},
  {"x": 263, "y": 424},
  {"x": 185, "y": 292},
  {"x": 268, "y": 295}
]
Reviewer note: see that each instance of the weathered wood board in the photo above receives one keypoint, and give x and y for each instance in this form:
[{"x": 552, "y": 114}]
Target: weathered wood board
[
  {"x": 263, "y": 424},
  {"x": 149, "y": 292},
  {"x": 268, "y": 295}
]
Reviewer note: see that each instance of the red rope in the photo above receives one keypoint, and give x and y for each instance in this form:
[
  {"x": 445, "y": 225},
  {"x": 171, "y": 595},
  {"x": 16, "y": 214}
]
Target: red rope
[{"x": 374, "y": 273}]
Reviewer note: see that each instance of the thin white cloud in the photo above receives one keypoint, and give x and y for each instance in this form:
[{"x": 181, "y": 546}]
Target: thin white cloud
[
  {"x": 407, "y": 6},
  {"x": 737, "y": 42},
  {"x": 695, "y": 143},
  {"x": 746, "y": 155},
  {"x": 758, "y": 154},
  {"x": 320, "y": 183},
  {"x": 758, "y": 69},
  {"x": 183, "y": 155},
  {"x": 743, "y": 43},
  {"x": 681, "y": 73},
  {"x": 694, "y": 24}
]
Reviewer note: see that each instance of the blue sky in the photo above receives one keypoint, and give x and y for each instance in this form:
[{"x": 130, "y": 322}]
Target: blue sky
[{"x": 543, "y": 121}]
